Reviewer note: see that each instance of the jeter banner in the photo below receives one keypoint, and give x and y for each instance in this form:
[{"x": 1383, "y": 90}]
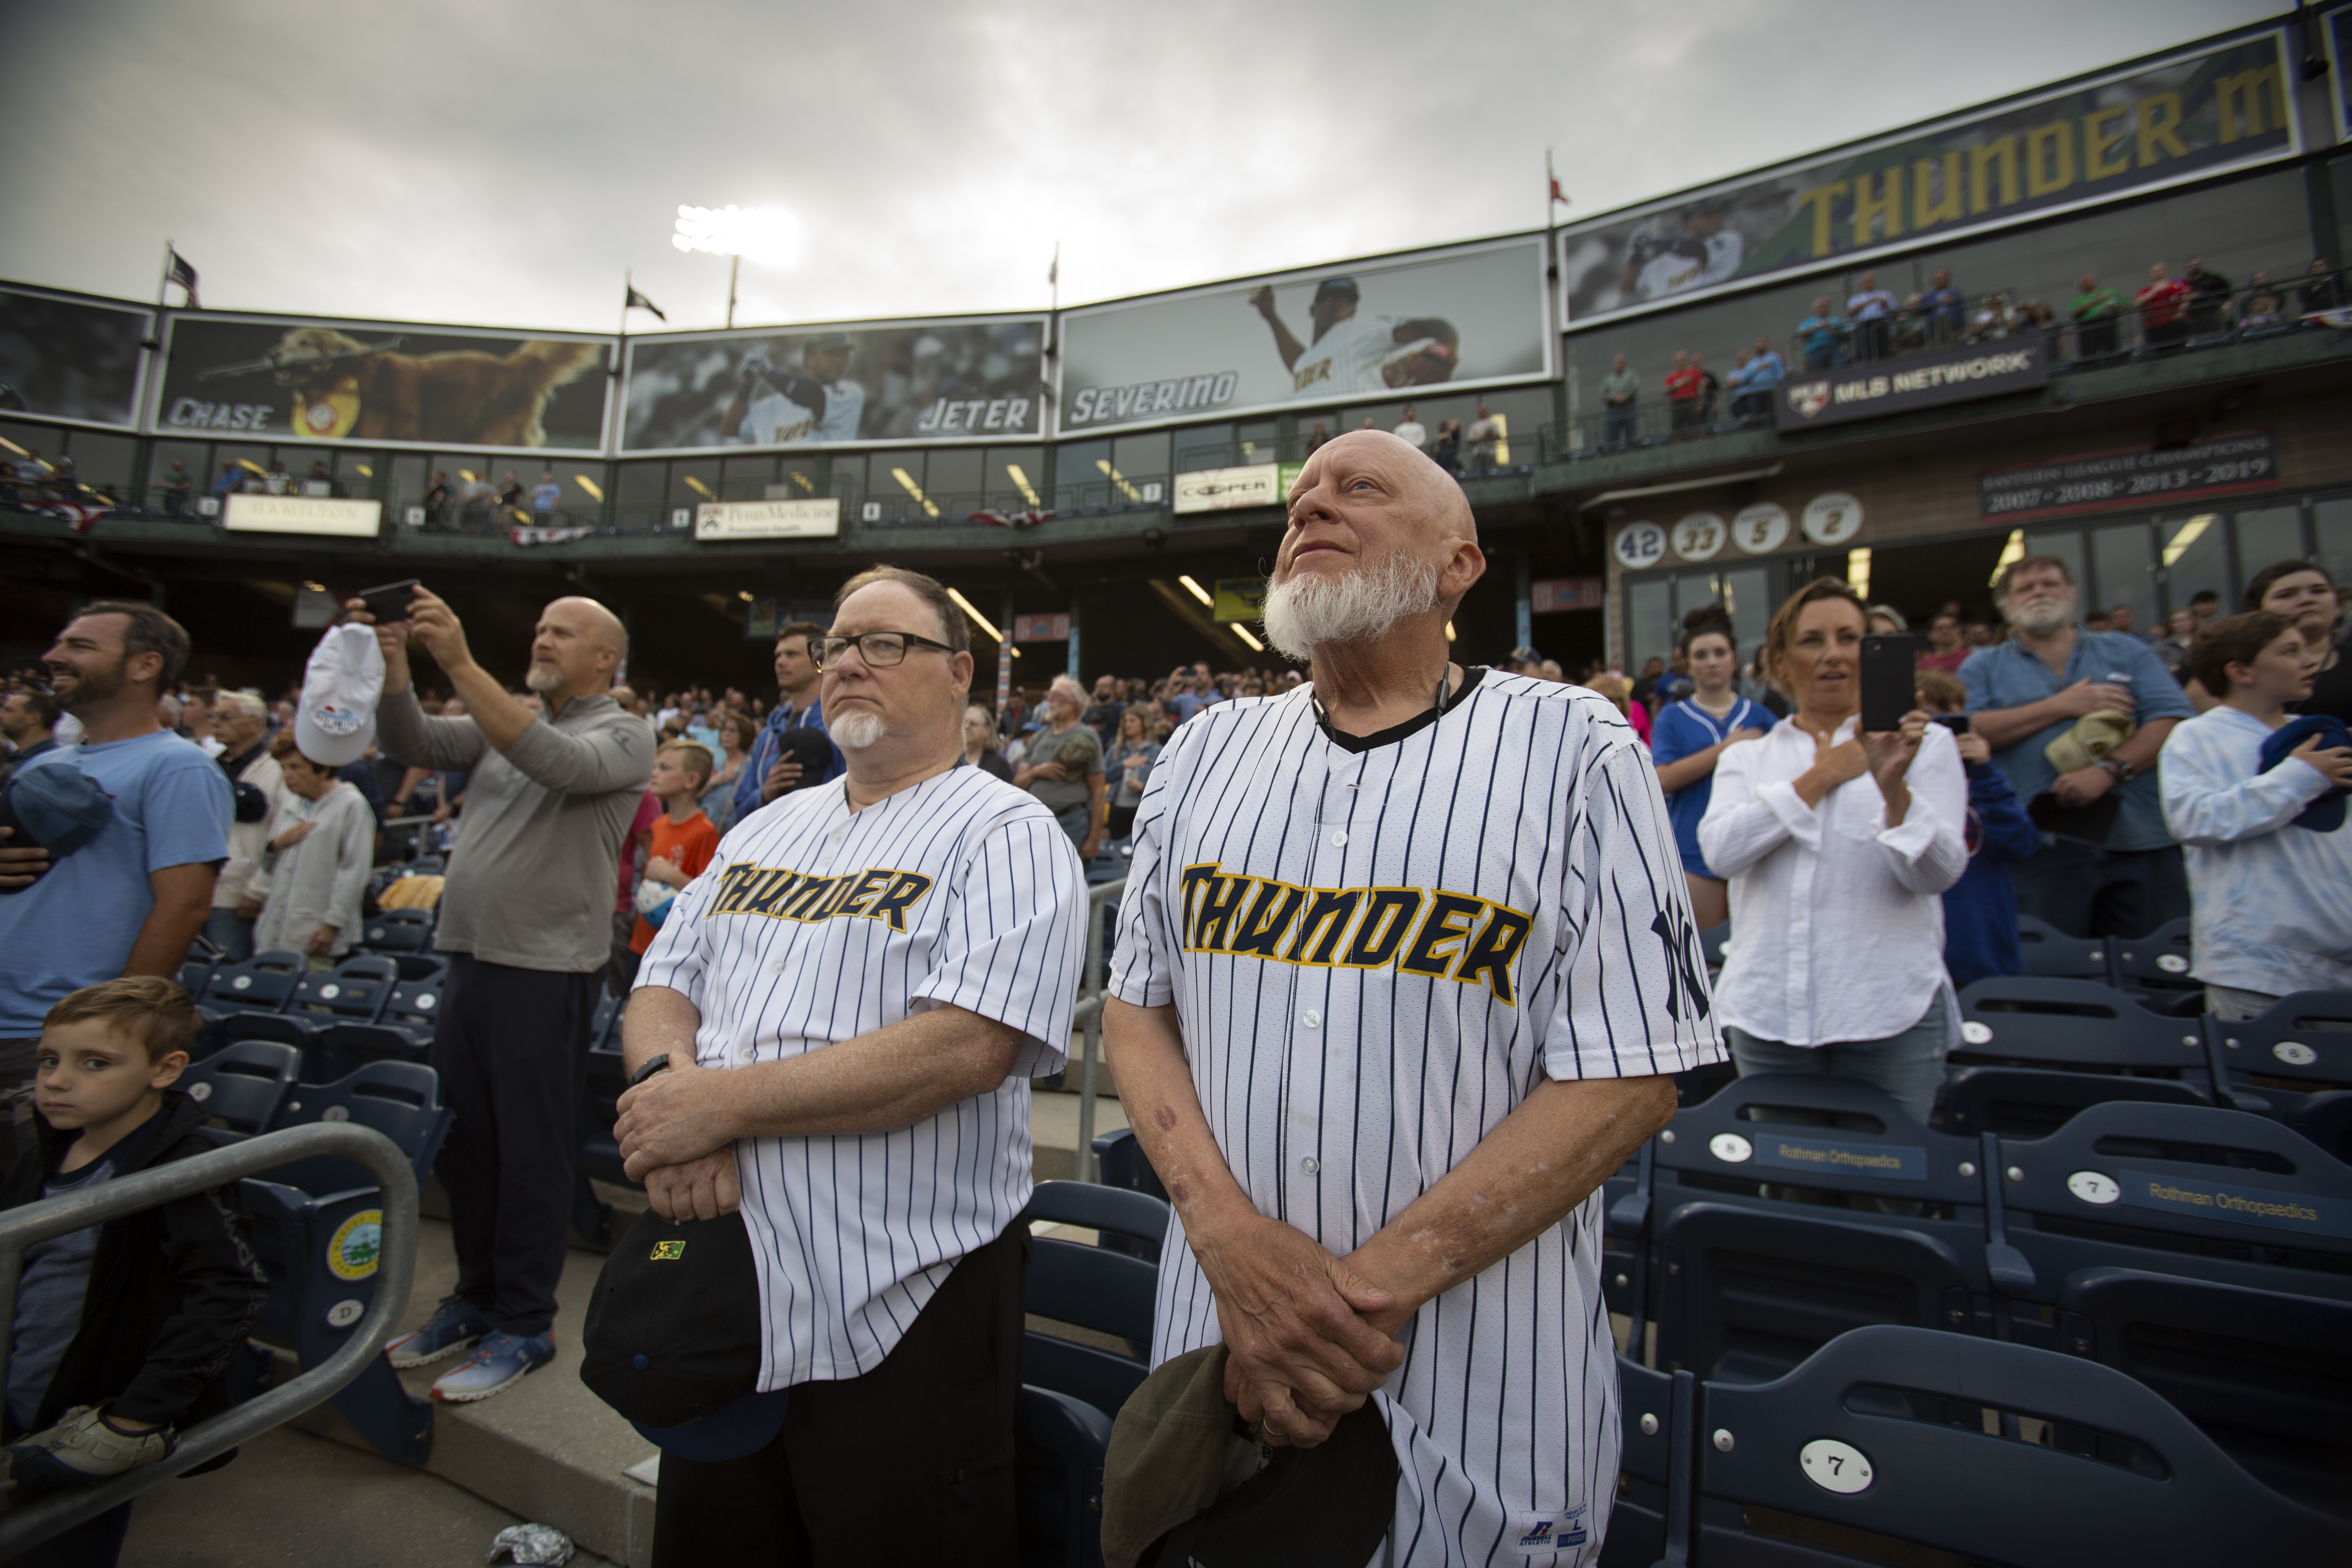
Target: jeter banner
[
  {"x": 385, "y": 383},
  {"x": 1470, "y": 316},
  {"x": 69, "y": 359},
  {"x": 927, "y": 382},
  {"x": 2118, "y": 135}
]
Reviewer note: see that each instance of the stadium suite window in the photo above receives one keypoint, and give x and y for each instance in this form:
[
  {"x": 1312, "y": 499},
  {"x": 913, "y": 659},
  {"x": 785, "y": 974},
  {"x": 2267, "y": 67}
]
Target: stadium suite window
[
  {"x": 1140, "y": 458},
  {"x": 2331, "y": 529},
  {"x": 1016, "y": 476},
  {"x": 692, "y": 481},
  {"x": 1204, "y": 446},
  {"x": 1078, "y": 479},
  {"x": 2123, "y": 570},
  {"x": 196, "y": 455},
  {"x": 953, "y": 476},
  {"x": 747, "y": 478},
  {"x": 638, "y": 487},
  {"x": 2339, "y": 174},
  {"x": 2262, "y": 536},
  {"x": 406, "y": 479},
  {"x": 100, "y": 459},
  {"x": 583, "y": 487},
  {"x": 1254, "y": 441}
]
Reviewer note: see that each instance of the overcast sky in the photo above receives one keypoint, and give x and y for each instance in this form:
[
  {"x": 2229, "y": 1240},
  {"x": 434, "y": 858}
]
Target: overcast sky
[{"x": 503, "y": 163}]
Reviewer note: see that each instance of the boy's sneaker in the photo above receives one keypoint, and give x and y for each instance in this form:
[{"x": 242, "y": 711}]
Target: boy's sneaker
[
  {"x": 499, "y": 1363},
  {"x": 454, "y": 1326}
]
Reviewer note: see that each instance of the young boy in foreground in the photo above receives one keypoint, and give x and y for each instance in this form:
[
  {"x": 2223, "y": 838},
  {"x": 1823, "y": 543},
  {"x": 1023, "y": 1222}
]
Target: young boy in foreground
[{"x": 125, "y": 1333}]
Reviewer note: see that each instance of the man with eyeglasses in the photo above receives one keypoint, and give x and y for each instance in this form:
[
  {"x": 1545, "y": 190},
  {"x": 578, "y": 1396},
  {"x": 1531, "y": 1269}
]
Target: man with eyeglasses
[{"x": 834, "y": 1032}]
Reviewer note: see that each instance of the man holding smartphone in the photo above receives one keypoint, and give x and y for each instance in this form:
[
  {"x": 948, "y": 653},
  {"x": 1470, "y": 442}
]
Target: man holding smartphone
[
  {"x": 524, "y": 917},
  {"x": 2032, "y": 690}
]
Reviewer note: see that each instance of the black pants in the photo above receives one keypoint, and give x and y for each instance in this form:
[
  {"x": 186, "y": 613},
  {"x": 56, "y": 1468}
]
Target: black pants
[
  {"x": 511, "y": 1048},
  {"x": 910, "y": 1463},
  {"x": 2085, "y": 890}
]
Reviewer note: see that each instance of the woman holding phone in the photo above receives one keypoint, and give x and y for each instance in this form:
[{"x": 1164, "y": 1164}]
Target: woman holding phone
[
  {"x": 1838, "y": 846},
  {"x": 1689, "y": 737}
]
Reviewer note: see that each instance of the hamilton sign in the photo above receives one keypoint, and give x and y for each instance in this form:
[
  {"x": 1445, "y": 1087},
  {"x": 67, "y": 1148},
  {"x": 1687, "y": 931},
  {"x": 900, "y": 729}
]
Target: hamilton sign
[{"x": 1922, "y": 381}]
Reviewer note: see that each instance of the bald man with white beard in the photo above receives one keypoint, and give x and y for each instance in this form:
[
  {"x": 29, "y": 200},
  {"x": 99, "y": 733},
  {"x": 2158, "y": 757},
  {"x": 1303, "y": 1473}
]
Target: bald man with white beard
[
  {"x": 1404, "y": 965},
  {"x": 525, "y": 919}
]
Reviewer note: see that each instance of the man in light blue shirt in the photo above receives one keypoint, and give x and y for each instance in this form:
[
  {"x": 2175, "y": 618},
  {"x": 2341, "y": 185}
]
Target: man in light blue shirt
[
  {"x": 1869, "y": 311},
  {"x": 1823, "y": 335},
  {"x": 132, "y": 899},
  {"x": 2027, "y": 693}
]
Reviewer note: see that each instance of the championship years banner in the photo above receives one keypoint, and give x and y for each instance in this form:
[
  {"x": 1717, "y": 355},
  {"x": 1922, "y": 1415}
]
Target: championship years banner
[
  {"x": 970, "y": 380},
  {"x": 382, "y": 383},
  {"x": 70, "y": 359},
  {"x": 1470, "y": 316},
  {"x": 2185, "y": 118}
]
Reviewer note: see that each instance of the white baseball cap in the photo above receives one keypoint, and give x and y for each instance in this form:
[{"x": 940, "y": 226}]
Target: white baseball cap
[{"x": 336, "y": 718}]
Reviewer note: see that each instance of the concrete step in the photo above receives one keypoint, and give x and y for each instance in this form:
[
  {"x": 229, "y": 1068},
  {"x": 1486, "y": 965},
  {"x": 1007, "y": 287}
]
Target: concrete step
[{"x": 549, "y": 1451}]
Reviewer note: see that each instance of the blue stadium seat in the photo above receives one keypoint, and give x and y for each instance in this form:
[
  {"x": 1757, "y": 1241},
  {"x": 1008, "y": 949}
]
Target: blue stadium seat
[
  {"x": 1785, "y": 1211},
  {"x": 1073, "y": 1392},
  {"x": 2304, "y": 1041},
  {"x": 1119, "y": 1162},
  {"x": 354, "y": 991},
  {"x": 398, "y": 931},
  {"x": 342, "y": 1048},
  {"x": 317, "y": 1225},
  {"x": 1653, "y": 1406},
  {"x": 2157, "y": 963},
  {"x": 242, "y": 1085},
  {"x": 1882, "y": 1432},
  {"x": 2195, "y": 1248},
  {"x": 2051, "y": 954},
  {"x": 2034, "y": 1051},
  {"x": 195, "y": 970},
  {"x": 259, "y": 985}
]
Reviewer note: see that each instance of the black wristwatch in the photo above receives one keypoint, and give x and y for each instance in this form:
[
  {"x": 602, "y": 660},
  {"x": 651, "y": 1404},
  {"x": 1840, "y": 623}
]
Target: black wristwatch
[
  {"x": 2122, "y": 772},
  {"x": 653, "y": 1066}
]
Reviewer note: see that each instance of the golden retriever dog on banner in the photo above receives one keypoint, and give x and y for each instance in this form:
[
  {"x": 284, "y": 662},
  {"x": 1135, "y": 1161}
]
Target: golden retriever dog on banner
[{"x": 347, "y": 391}]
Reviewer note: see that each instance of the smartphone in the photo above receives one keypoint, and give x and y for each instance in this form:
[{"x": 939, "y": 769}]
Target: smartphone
[
  {"x": 390, "y": 601},
  {"x": 1957, "y": 723},
  {"x": 1889, "y": 670}
]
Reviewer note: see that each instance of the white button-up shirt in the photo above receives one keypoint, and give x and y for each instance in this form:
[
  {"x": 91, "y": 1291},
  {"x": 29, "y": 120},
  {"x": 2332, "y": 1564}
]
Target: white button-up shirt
[{"x": 1837, "y": 919}]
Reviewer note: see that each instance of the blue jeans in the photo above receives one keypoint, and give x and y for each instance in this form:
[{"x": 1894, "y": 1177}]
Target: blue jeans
[
  {"x": 1909, "y": 1066},
  {"x": 233, "y": 936}
]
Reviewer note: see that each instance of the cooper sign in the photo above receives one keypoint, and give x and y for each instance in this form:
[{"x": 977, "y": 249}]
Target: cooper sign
[{"x": 1889, "y": 387}]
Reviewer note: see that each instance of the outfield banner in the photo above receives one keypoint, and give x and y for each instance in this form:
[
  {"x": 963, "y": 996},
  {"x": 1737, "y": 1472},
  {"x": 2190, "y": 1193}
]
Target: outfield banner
[
  {"x": 302, "y": 514},
  {"x": 382, "y": 383},
  {"x": 70, "y": 359},
  {"x": 813, "y": 518},
  {"x": 926, "y": 382},
  {"x": 2130, "y": 132},
  {"x": 1468, "y": 316},
  {"x": 1918, "y": 380},
  {"x": 2133, "y": 475}
]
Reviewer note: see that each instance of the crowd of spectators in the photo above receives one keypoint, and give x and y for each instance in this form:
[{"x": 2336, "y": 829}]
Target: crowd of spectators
[{"x": 1872, "y": 325}]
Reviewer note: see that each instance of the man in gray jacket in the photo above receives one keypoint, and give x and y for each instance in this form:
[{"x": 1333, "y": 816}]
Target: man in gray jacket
[{"x": 525, "y": 917}]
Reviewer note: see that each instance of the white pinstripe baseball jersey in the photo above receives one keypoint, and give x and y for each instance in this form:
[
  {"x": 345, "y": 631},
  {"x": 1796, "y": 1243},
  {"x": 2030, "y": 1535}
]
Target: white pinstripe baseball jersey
[
  {"x": 1374, "y": 955},
  {"x": 814, "y": 924}
]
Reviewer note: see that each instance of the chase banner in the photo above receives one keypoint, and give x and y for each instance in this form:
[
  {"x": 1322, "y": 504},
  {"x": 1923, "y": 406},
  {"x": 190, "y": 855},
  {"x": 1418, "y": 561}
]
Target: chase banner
[
  {"x": 382, "y": 383},
  {"x": 2135, "y": 130},
  {"x": 1469, "y": 316},
  {"x": 1914, "y": 381},
  {"x": 929, "y": 382}
]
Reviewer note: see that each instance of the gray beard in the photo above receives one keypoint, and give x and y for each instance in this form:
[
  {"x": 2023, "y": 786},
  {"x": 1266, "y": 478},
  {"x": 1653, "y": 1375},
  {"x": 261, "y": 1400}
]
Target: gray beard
[
  {"x": 546, "y": 682},
  {"x": 855, "y": 732},
  {"x": 2042, "y": 621},
  {"x": 1363, "y": 606}
]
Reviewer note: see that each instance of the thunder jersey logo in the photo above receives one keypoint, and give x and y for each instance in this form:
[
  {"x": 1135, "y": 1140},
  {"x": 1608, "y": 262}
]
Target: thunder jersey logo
[
  {"x": 780, "y": 893},
  {"x": 1438, "y": 935}
]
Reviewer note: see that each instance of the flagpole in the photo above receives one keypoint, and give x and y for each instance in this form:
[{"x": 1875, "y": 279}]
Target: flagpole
[
  {"x": 620, "y": 358},
  {"x": 164, "y": 282}
]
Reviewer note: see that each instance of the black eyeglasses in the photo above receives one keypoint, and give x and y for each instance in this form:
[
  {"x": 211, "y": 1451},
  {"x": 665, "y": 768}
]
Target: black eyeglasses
[{"x": 878, "y": 649}]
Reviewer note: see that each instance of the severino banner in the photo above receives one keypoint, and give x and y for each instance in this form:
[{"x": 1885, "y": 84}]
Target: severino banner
[
  {"x": 1464, "y": 317},
  {"x": 2134, "y": 131}
]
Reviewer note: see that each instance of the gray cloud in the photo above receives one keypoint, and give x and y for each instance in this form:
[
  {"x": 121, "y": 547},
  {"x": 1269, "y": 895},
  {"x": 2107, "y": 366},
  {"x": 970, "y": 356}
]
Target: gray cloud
[{"x": 504, "y": 164}]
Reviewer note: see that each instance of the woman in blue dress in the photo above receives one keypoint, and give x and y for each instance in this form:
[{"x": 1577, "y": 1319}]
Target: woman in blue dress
[{"x": 1687, "y": 738}]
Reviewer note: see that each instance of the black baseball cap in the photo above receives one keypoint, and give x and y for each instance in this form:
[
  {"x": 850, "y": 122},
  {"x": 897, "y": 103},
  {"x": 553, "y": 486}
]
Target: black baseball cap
[
  {"x": 673, "y": 1332},
  {"x": 1187, "y": 1483},
  {"x": 1342, "y": 288},
  {"x": 809, "y": 747},
  {"x": 825, "y": 343}
]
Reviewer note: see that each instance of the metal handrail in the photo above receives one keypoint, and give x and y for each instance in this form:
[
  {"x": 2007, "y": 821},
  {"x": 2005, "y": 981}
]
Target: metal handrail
[
  {"x": 396, "y": 1271},
  {"x": 1094, "y": 985}
]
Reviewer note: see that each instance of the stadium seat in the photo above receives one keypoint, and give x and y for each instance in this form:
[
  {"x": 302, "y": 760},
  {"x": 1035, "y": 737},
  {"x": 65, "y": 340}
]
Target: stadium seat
[
  {"x": 259, "y": 985},
  {"x": 1652, "y": 1406},
  {"x": 2034, "y": 1051},
  {"x": 2303, "y": 1044},
  {"x": 1784, "y": 1211},
  {"x": 600, "y": 1152},
  {"x": 317, "y": 1225},
  {"x": 2157, "y": 961},
  {"x": 195, "y": 970},
  {"x": 398, "y": 931},
  {"x": 228, "y": 1028},
  {"x": 1072, "y": 1391},
  {"x": 413, "y": 1004},
  {"x": 2193, "y": 1247},
  {"x": 1882, "y": 1432},
  {"x": 342, "y": 1048},
  {"x": 242, "y": 1085},
  {"x": 354, "y": 991},
  {"x": 1711, "y": 941},
  {"x": 1093, "y": 1289},
  {"x": 2051, "y": 954},
  {"x": 1119, "y": 1162}
]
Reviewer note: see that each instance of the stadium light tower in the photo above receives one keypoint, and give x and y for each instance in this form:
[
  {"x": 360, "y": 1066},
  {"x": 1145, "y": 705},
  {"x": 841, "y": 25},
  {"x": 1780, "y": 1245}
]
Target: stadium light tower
[{"x": 766, "y": 234}]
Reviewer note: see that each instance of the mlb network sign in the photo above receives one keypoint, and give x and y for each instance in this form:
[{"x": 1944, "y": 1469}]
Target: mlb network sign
[{"x": 1889, "y": 387}]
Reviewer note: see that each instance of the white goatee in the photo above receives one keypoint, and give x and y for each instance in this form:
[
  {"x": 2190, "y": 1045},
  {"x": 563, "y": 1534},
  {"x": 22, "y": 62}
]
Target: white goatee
[{"x": 1359, "y": 606}]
